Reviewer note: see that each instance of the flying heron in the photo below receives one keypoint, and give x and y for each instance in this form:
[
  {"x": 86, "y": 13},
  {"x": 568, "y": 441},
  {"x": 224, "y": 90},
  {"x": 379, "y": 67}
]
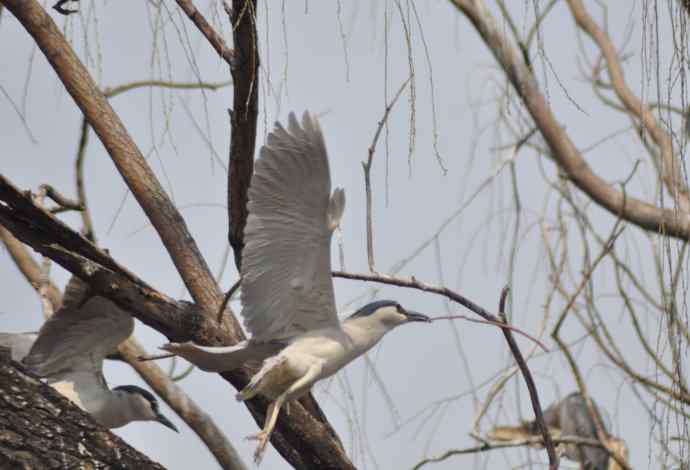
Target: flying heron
[{"x": 287, "y": 290}]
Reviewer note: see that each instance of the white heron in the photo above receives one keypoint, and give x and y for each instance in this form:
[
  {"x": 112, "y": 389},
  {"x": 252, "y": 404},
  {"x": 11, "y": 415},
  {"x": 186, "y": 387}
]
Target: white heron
[
  {"x": 69, "y": 350},
  {"x": 287, "y": 290}
]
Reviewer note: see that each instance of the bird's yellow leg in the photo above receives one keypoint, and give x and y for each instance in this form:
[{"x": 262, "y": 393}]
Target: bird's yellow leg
[
  {"x": 265, "y": 434},
  {"x": 274, "y": 408}
]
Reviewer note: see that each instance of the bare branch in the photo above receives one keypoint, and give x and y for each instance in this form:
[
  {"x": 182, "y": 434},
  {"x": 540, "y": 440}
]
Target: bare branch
[
  {"x": 243, "y": 119},
  {"x": 367, "y": 174},
  {"x": 212, "y": 36},
  {"x": 563, "y": 151},
  {"x": 127, "y": 158},
  {"x": 117, "y": 90},
  {"x": 529, "y": 381},
  {"x": 489, "y": 445}
]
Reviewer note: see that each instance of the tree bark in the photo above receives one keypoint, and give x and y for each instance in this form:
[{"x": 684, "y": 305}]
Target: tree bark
[{"x": 40, "y": 429}]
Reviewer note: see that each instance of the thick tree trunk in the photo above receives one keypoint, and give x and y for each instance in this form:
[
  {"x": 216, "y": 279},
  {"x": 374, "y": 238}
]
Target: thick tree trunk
[{"x": 40, "y": 429}]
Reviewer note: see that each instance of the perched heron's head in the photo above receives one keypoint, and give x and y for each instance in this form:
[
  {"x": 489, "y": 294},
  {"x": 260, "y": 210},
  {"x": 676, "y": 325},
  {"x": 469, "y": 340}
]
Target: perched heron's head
[
  {"x": 390, "y": 313},
  {"x": 143, "y": 405}
]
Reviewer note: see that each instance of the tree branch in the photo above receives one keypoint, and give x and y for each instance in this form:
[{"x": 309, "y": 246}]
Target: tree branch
[
  {"x": 563, "y": 151},
  {"x": 212, "y": 36},
  {"x": 243, "y": 118},
  {"x": 529, "y": 442},
  {"x": 128, "y": 159}
]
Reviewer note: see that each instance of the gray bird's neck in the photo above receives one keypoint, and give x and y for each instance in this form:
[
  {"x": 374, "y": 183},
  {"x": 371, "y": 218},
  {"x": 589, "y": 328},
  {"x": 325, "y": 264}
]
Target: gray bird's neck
[{"x": 116, "y": 409}]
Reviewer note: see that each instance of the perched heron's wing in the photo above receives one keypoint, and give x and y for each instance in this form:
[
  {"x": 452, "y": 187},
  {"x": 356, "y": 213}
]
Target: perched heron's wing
[
  {"x": 87, "y": 389},
  {"x": 286, "y": 261},
  {"x": 215, "y": 359},
  {"x": 78, "y": 339},
  {"x": 19, "y": 344}
]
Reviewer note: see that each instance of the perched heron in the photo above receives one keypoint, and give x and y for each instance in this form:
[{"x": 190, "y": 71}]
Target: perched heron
[
  {"x": 570, "y": 417},
  {"x": 69, "y": 351},
  {"x": 287, "y": 290}
]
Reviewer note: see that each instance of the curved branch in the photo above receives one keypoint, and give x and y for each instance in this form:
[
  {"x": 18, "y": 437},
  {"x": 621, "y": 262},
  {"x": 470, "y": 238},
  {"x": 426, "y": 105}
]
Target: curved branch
[
  {"x": 671, "y": 169},
  {"x": 564, "y": 153}
]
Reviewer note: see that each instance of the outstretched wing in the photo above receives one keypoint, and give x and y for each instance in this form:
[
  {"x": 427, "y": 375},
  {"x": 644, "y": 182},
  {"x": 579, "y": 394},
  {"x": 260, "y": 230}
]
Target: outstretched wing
[
  {"x": 79, "y": 338},
  {"x": 286, "y": 261}
]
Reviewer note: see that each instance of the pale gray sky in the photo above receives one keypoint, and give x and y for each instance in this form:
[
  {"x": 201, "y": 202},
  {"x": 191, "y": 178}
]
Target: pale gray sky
[{"x": 333, "y": 64}]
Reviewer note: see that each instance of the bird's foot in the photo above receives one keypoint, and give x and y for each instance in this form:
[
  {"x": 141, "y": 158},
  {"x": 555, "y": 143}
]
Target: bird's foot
[{"x": 263, "y": 438}]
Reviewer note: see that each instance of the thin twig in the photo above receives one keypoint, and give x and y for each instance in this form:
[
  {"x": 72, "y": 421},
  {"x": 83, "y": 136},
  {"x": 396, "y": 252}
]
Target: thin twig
[
  {"x": 114, "y": 91},
  {"x": 529, "y": 381},
  {"x": 489, "y": 445},
  {"x": 46, "y": 190},
  {"x": 213, "y": 37},
  {"x": 366, "y": 166},
  {"x": 227, "y": 297},
  {"x": 495, "y": 323},
  {"x": 585, "y": 279}
]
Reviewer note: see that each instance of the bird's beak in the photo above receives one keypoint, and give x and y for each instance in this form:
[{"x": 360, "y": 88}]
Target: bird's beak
[
  {"x": 415, "y": 316},
  {"x": 166, "y": 422}
]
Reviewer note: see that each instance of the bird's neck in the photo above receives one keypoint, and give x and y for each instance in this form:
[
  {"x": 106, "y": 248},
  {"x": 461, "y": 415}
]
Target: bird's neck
[
  {"x": 364, "y": 332},
  {"x": 116, "y": 410}
]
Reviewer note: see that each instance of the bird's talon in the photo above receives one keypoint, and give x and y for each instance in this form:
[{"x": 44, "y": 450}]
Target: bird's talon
[{"x": 262, "y": 437}]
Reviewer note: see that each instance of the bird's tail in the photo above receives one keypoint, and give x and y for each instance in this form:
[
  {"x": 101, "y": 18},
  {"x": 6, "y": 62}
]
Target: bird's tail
[{"x": 218, "y": 359}]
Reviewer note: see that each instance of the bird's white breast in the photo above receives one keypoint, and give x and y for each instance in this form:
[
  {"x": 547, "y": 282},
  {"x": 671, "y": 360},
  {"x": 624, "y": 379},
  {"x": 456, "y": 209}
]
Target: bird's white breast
[{"x": 332, "y": 348}]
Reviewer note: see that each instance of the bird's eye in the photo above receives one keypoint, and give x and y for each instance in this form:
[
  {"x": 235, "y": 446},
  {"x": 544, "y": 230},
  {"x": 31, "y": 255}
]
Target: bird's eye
[{"x": 399, "y": 309}]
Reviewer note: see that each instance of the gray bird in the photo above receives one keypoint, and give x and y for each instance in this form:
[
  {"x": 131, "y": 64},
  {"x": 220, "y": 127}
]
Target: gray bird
[
  {"x": 287, "y": 290},
  {"x": 572, "y": 418},
  {"x": 69, "y": 351}
]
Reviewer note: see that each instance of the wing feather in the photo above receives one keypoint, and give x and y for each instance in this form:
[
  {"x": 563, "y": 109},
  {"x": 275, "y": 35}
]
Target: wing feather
[
  {"x": 79, "y": 338},
  {"x": 286, "y": 262}
]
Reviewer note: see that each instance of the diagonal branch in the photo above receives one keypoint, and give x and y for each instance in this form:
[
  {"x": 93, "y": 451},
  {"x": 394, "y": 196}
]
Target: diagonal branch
[
  {"x": 563, "y": 151},
  {"x": 367, "y": 174},
  {"x": 671, "y": 168},
  {"x": 126, "y": 156},
  {"x": 212, "y": 36}
]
